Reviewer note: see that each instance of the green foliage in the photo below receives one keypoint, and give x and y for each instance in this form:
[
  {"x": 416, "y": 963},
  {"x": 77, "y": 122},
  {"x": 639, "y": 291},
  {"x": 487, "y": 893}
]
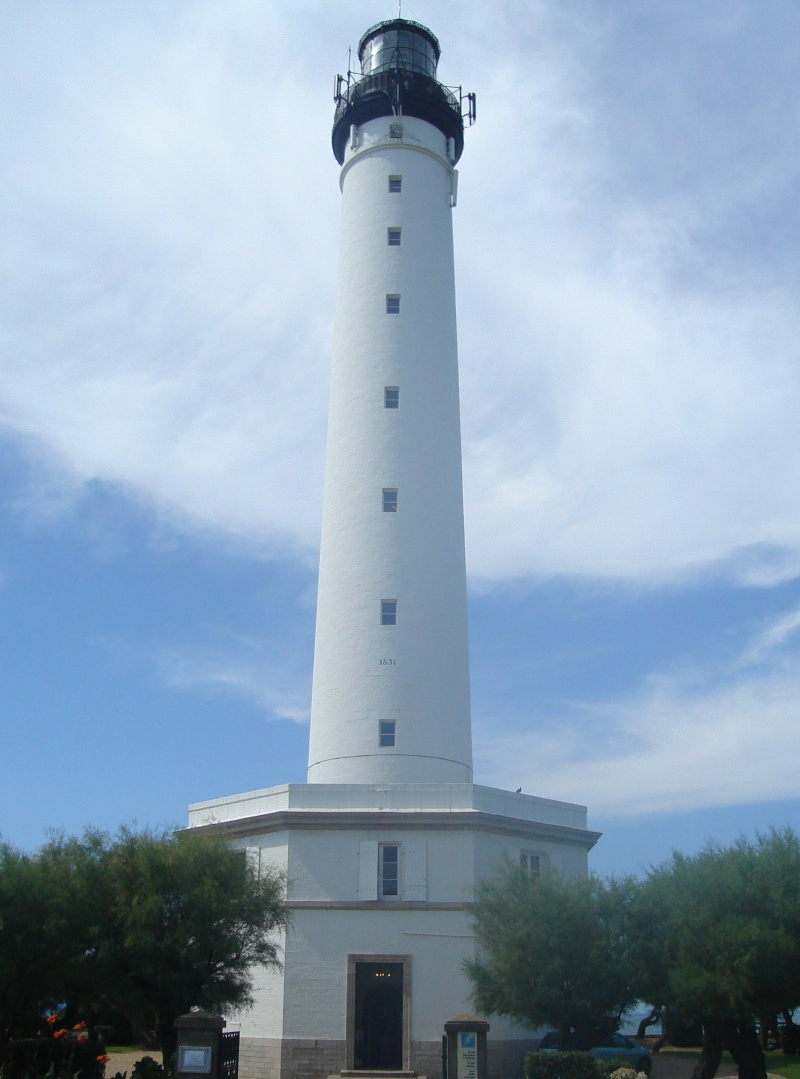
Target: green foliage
[
  {"x": 574, "y": 1065},
  {"x": 716, "y": 940},
  {"x": 567, "y": 1065},
  {"x": 717, "y": 935},
  {"x": 553, "y": 953},
  {"x": 197, "y": 919},
  {"x": 147, "y": 1068},
  {"x": 31, "y": 950},
  {"x": 145, "y": 924},
  {"x": 713, "y": 938},
  {"x": 64, "y": 1058}
]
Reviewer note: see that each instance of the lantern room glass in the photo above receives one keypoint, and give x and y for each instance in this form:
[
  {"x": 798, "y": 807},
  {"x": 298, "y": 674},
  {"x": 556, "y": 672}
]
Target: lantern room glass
[{"x": 398, "y": 48}]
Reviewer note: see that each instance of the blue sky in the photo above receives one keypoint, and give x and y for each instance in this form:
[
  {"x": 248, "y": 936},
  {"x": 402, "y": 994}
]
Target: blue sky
[{"x": 627, "y": 272}]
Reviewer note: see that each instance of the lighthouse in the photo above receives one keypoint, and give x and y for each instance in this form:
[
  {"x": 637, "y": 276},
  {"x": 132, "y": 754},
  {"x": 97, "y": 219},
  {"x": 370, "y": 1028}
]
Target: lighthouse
[
  {"x": 384, "y": 845},
  {"x": 390, "y": 698}
]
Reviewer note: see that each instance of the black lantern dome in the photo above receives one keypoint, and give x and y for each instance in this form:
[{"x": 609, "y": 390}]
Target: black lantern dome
[
  {"x": 398, "y": 61},
  {"x": 399, "y": 42}
]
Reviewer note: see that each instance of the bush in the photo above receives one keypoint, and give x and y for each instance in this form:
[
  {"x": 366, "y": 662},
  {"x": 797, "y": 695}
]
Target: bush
[
  {"x": 148, "y": 1068},
  {"x": 67, "y": 1058},
  {"x": 566, "y": 1065},
  {"x": 576, "y": 1065}
]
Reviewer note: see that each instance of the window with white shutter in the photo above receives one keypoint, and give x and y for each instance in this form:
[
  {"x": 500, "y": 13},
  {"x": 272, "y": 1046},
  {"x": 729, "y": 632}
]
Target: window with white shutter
[
  {"x": 415, "y": 877},
  {"x": 368, "y": 869}
]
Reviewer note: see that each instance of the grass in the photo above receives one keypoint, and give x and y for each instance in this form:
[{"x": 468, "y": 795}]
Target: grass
[
  {"x": 777, "y": 1063},
  {"x": 783, "y": 1065},
  {"x": 112, "y": 1049}
]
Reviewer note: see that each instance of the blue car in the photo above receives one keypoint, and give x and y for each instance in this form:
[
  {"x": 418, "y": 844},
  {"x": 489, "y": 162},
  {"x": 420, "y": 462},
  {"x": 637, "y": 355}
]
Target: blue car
[{"x": 607, "y": 1047}]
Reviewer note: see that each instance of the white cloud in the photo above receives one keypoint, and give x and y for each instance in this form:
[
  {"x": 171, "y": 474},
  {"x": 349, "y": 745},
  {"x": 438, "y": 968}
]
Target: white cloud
[
  {"x": 160, "y": 287},
  {"x": 250, "y": 672},
  {"x": 629, "y": 354},
  {"x": 772, "y": 638},
  {"x": 685, "y": 741},
  {"x": 664, "y": 446}
]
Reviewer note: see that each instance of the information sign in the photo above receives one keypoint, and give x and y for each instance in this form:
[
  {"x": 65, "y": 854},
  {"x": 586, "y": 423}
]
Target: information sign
[
  {"x": 196, "y": 1060},
  {"x": 467, "y": 1054}
]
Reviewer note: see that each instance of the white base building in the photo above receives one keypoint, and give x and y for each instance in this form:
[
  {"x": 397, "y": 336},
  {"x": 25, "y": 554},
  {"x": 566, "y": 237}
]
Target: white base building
[{"x": 374, "y": 950}]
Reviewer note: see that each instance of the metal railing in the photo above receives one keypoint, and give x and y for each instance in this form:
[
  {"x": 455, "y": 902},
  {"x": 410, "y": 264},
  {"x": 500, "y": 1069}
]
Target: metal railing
[
  {"x": 348, "y": 92},
  {"x": 229, "y": 1055}
]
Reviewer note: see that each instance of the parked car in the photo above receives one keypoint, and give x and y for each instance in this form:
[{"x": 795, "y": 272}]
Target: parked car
[{"x": 607, "y": 1047}]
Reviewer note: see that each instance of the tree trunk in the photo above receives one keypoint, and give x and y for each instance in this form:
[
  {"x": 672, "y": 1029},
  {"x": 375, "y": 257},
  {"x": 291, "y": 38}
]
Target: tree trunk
[
  {"x": 167, "y": 1037},
  {"x": 648, "y": 1021},
  {"x": 768, "y": 1031},
  {"x": 789, "y": 1037},
  {"x": 662, "y": 1040},
  {"x": 711, "y": 1053},
  {"x": 746, "y": 1050},
  {"x": 142, "y": 1029}
]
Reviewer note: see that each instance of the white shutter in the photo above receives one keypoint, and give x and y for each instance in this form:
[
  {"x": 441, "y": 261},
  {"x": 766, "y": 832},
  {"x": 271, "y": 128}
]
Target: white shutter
[
  {"x": 416, "y": 870},
  {"x": 368, "y": 869}
]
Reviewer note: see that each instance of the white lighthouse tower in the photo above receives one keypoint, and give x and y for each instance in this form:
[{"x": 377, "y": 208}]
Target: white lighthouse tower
[
  {"x": 391, "y": 671},
  {"x": 383, "y": 847}
]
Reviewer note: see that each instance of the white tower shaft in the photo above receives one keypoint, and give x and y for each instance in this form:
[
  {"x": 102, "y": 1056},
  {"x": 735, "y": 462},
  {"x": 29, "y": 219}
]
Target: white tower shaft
[{"x": 390, "y": 701}]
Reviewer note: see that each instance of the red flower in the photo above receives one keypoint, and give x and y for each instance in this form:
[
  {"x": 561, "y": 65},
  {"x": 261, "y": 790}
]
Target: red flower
[
  {"x": 103, "y": 1058},
  {"x": 52, "y": 1019},
  {"x": 60, "y": 1033},
  {"x": 80, "y": 1026}
]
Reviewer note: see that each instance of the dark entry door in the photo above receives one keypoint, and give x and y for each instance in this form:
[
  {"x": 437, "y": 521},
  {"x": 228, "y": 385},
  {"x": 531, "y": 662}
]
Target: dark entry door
[{"x": 378, "y": 1041}]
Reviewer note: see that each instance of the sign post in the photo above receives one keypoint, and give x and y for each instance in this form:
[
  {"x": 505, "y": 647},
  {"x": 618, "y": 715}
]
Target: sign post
[
  {"x": 465, "y": 1038},
  {"x": 198, "y": 1053}
]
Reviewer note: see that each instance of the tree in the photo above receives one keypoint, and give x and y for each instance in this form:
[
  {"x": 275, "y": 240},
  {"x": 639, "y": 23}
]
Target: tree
[
  {"x": 196, "y": 919},
  {"x": 83, "y": 917},
  {"x": 29, "y": 949},
  {"x": 553, "y": 952},
  {"x": 716, "y": 937},
  {"x": 149, "y": 923}
]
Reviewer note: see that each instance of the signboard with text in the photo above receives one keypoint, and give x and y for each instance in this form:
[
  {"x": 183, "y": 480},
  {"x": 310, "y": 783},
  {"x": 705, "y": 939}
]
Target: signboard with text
[
  {"x": 196, "y": 1060},
  {"x": 467, "y": 1054}
]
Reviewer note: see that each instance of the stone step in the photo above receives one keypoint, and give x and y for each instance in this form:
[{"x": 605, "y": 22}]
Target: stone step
[{"x": 376, "y": 1075}]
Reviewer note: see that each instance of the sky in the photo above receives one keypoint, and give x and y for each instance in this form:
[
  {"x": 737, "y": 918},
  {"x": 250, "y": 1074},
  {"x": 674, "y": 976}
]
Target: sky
[{"x": 628, "y": 305}]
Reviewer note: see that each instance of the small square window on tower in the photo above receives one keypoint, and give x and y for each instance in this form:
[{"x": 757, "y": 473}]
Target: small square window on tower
[
  {"x": 388, "y": 612},
  {"x": 391, "y": 396},
  {"x": 386, "y": 733},
  {"x": 393, "y": 237},
  {"x": 390, "y": 500},
  {"x": 392, "y": 305},
  {"x": 395, "y": 185}
]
